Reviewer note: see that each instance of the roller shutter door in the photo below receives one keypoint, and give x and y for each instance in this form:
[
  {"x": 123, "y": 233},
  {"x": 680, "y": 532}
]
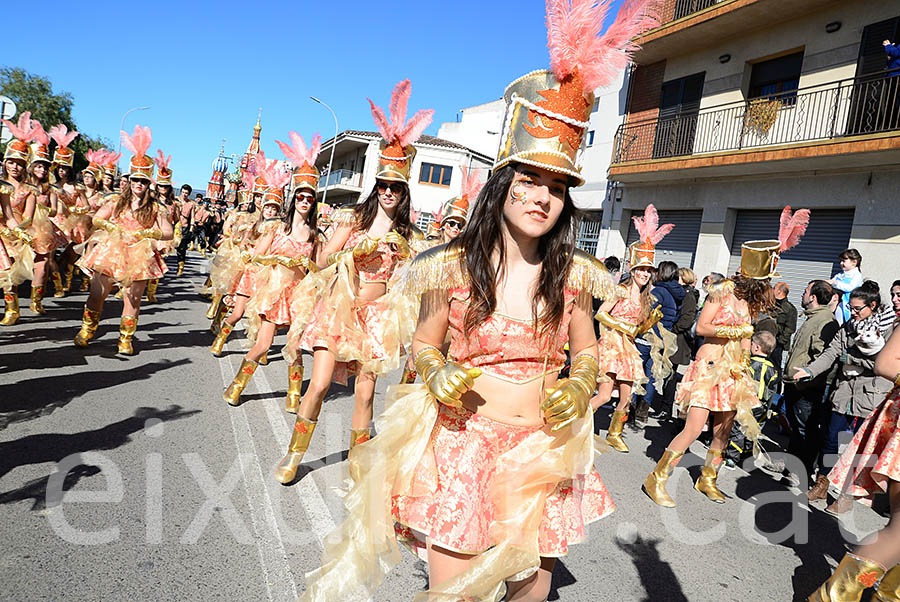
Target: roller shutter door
[
  {"x": 680, "y": 245},
  {"x": 816, "y": 257}
]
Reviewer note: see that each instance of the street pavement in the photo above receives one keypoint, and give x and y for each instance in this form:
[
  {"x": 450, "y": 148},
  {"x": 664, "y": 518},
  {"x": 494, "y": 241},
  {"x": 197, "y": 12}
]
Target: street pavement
[{"x": 131, "y": 479}]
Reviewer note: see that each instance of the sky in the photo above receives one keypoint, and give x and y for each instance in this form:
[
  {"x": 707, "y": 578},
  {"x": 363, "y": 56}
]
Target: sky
[{"x": 205, "y": 69}]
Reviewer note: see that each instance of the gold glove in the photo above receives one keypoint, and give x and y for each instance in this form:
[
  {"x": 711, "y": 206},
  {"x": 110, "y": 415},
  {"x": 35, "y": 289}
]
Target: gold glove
[
  {"x": 246, "y": 256},
  {"x": 569, "y": 400},
  {"x": 364, "y": 248},
  {"x": 651, "y": 321},
  {"x": 80, "y": 210},
  {"x": 25, "y": 223},
  {"x": 288, "y": 262},
  {"x": 446, "y": 381},
  {"x": 630, "y": 330},
  {"x": 22, "y": 235},
  {"x": 309, "y": 265},
  {"x": 105, "y": 224},
  {"x": 398, "y": 241},
  {"x": 149, "y": 233},
  {"x": 743, "y": 331},
  {"x": 743, "y": 366}
]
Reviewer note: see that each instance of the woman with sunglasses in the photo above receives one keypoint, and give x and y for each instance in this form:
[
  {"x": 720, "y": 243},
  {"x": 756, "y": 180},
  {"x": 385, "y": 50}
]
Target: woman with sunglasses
[
  {"x": 286, "y": 255},
  {"x": 353, "y": 327},
  {"x": 122, "y": 249},
  {"x": 72, "y": 203}
]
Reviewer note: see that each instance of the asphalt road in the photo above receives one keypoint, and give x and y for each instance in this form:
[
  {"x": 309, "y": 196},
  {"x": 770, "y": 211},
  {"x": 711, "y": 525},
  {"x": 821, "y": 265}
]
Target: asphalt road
[{"x": 131, "y": 479}]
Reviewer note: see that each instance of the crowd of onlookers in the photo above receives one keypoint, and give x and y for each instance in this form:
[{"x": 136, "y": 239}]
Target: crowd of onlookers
[{"x": 814, "y": 365}]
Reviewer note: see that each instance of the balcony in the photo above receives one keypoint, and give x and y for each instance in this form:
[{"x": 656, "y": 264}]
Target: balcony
[
  {"x": 346, "y": 180},
  {"x": 848, "y": 123}
]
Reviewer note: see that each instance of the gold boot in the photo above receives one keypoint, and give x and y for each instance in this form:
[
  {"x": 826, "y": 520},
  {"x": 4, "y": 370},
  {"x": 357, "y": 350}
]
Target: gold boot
[
  {"x": 152, "y": 285},
  {"x": 850, "y": 579},
  {"x": 89, "y": 323},
  {"x": 127, "y": 328},
  {"x": 357, "y": 437},
  {"x": 264, "y": 360},
  {"x": 233, "y": 393},
  {"x": 58, "y": 289},
  {"x": 614, "y": 434},
  {"x": 655, "y": 483},
  {"x": 706, "y": 484},
  {"x": 119, "y": 293},
  {"x": 70, "y": 273},
  {"x": 11, "y": 315},
  {"x": 37, "y": 298},
  {"x": 409, "y": 376},
  {"x": 180, "y": 268},
  {"x": 85, "y": 284},
  {"x": 889, "y": 588},
  {"x": 203, "y": 252},
  {"x": 295, "y": 383},
  {"x": 303, "y": 432},
  {"x": 191, "y": 247},
  {"x": 219, "y": 343},
  {"x": 213, "y": 307}
]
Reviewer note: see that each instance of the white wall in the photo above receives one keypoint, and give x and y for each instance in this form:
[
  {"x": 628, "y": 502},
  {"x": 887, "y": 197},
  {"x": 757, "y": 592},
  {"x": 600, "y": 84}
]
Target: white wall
[{"x": 474, "y": 127}]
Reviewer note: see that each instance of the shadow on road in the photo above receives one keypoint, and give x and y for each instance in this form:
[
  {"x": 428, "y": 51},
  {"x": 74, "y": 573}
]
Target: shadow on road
[{"x": 657, "y": 577}]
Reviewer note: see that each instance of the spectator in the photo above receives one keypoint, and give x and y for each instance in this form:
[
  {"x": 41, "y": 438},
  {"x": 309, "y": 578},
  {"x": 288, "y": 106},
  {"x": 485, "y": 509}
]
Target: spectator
[
  {"x": 709, "y": 280},
  {"x": 614, "y": 267},
  {"x": 786, "y": 324},
  {"x": 858, "y": 390},
  {"x": 895, "y": 299},
  {"x": 682, "y": 328},
  {"x": 688, "y": 279},
  {"x": 893, "y": 57},
  {"x": 807, "y": 410},
  {"x": 764, "y": 374},
  {"x": 848, "y": 280}
]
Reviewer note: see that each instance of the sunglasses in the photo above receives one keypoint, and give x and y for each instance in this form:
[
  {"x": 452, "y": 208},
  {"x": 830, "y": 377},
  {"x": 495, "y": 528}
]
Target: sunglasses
[
  {"x": 395, "y": 187},
  {"x": 453, "y": 224},
  {"x": 855, "y": 309}
]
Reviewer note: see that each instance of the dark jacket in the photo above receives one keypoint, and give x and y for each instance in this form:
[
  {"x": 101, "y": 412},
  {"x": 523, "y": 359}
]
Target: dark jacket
[
  {"x": 684, "y": 326},
  {"x": 893, "y": 55},
  {"x": 785, "y": 321},
  {"x": 814, "y": 336},
  {"x": 764, "y": 374},
  {"x": 670, "y": 295},
  {"x": 662, "y": 299}
]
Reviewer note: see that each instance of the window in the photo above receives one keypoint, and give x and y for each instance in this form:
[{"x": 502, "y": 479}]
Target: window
[
  {"x": 590, "y": 138},
  {"x": 438, "y": 175},
  {"x": 425, "y": 218},
  {"x": 777, "y": 78},
  {"x": 596, "y": 105},
  {"x": 589, "y": 232}
]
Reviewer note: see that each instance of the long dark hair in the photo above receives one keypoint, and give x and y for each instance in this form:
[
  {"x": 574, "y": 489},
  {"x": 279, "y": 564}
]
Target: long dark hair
[
  {"x": 366, "y": 211},
  {"x": 146, "y": 211},
  {"x": 311, "y": 219},
  {"x": 757, "y": 293},
  {"x": 483, "y": 236},
  {"x": 70, "y": 178},
  {"x": 868, "y": 292}
]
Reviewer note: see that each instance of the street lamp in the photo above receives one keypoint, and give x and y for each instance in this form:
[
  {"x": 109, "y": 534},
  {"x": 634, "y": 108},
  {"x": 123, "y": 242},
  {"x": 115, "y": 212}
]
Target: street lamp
[
  {"x": 333, "y": 144},
  {"x": 122, "y": 126}
]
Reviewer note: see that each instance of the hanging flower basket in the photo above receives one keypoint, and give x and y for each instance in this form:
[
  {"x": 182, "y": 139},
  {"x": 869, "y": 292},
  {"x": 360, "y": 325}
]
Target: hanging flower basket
[{"x": 761, "y": 115}]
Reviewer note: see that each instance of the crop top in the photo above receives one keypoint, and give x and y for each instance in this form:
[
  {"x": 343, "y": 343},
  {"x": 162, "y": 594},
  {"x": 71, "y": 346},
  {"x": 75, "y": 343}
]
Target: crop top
[
  {"x": 729, "y": 313},
  {"x": 626, "y": 308},
  {"x": 282, "y": 244},
  {"x": 377, "y": 267}
]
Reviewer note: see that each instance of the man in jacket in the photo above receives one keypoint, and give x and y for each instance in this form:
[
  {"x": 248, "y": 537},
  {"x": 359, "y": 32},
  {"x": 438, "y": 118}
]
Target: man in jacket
[
  {"x": 785, "y": 322},
  {"x": 807, "y": 409}
]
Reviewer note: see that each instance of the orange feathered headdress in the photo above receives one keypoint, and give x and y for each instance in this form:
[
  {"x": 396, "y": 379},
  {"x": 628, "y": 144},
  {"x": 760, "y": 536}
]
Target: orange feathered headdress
[{"x": 397, "y": 152}]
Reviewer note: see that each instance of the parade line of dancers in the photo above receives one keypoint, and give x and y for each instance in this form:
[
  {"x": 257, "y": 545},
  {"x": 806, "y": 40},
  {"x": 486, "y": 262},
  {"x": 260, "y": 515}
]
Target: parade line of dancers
[{"x": 486, "y": 467}]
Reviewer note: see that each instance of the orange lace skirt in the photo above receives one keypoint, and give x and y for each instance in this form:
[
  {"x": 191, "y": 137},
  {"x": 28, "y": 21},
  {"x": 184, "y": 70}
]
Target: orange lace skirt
[
  {"x": 619, "y": 357},
  {"x": 246, "y": 284},
  {"x": 122, "y": 258}
]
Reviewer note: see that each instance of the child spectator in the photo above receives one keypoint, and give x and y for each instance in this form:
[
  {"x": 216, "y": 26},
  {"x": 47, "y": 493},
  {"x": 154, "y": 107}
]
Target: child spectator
[
  {"x": 846, "y": 282},
  {"x": 765, "y": 375}
]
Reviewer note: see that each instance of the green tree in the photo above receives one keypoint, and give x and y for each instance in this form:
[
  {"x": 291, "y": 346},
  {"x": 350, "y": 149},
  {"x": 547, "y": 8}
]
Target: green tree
[{"x": 35, "y": 93}]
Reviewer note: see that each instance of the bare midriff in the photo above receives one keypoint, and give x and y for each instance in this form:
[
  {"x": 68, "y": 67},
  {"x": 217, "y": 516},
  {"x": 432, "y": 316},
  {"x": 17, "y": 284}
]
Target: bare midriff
[{"x": 518, "y": 404}]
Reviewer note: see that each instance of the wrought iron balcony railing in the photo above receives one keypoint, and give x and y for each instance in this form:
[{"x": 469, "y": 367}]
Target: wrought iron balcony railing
[
  {"x": 865, "y": 105},
  {"x": 342, "y": 177}
]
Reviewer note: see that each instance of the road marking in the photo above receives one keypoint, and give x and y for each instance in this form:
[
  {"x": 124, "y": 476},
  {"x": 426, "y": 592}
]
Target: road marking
[{"x": 280, "y": 584}]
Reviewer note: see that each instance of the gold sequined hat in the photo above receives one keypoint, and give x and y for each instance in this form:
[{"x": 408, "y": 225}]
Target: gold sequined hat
[
  {"x": 23, "y": 133},
  {"x": 459, "y": 206},
  {"x": 759, "y": 258},
  {"x": 275, "y": 177},
  {"x": 642, "y": 252},
  {"x": 40, "y": 148},
  {"x": 305, "y": 174},
  {"x": 163, "y": 173},
  {"x": 141, "y": 166},
  {"x": 63, "y": 155},
  {"x": 396, "y": 151}
]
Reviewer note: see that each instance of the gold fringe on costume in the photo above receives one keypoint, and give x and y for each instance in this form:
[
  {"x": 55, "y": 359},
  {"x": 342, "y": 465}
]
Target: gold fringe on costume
[
  {"x": 364, "y": 548},
  {"x": 343, "y": 217}
]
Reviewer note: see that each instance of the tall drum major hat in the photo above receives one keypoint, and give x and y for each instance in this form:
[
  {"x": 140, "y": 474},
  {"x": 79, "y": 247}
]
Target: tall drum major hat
[
  {"x": 141, "y": 165},
  {"x": 303, "y": 158},
  {"x": 275, "y": 177},
  {"x": 642, "y": 252},
  {"x": 163, "y": 173},
  {"x": 40, "y": 148},
  {"x": 396, "y": 153},
  {"x": 23, "y": 133},
  {"x": 459, "y": 206},
  {"x": 759, "y": 258},
  {"x": 63, "y": 155},
  {"x": 111, "y": 166},
  {"x": 547, "y": 112},
  {"x": 96, "y": 160}
]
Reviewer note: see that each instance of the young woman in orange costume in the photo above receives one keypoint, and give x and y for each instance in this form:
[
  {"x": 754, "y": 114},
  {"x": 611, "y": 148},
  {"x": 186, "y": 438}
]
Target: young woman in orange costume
[{"x": 72, "y": 203}]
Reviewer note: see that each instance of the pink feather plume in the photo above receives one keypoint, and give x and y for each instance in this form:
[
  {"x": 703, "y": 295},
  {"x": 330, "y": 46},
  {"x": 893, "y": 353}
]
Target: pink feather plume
[
  {"x": 793, "y": 227},
  {"x": 38, "y": 134},
  {"x": 274, "y": 175},
  {"x": 23, "y": 130},
  {"x": 97, "y": 157},
  {"x": 112, "y": 158},
  {"x": 297, "y": 152},
  {"x": 162, "y": 161},
  {"x": 139, "y": 141},
  {"x": 439, "y": 214},
  {"x": 413, "y": 215},
  {"x": 576, "y": 44},
  {"x": 649, "y": 230},
  {"x": 396, "y": 128},
  {"x": 471, "y": 184},
  {"x": 62, "y": 135}
]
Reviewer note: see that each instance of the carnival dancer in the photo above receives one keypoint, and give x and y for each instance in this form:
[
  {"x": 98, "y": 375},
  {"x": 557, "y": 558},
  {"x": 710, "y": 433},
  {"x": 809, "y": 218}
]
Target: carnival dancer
[
  {"x": 165, "y": 196},
  {"x": 718, "y": 381},
  {"x": 18, "y": 199},
  {"x": 92, "y": 176},
  {"x": 122, "y": 249},
  {"x": 347, "y": 333},
  {"x": 72, "y": 202},
  {"x": 245, "y": 286},
  {"x": 110, "y": 169},
  {"x": 186, "y": 208},
  {"x": 869, "y": 466},
  {"x": 631, "y": 313},
  {"x": 286, "y": 256}
]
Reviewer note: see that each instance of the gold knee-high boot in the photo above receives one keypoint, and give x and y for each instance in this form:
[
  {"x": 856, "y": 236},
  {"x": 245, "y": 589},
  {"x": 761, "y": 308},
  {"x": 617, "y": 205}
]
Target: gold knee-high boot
[
  {"x": 233, "y": 393},
  {"x": 850, "y": 579},
  {"x": 152, "y": 285},
  {"x": 11, "y": 314},
  {"x": 213, "y": 307},
  {"x": 218, "y": 316},
  {"x": 655, "y": 483},
  {"x": 357, "y": 437},
  {"x": 300, "y": 438},
  {"x": 295, "y": 383},
  {"x": 58, "y": 289},
  {"x": 37, "y": 298},
  {"x": 264, "y": 360},
  {"x": 219, "y": 343},
  {"x": 127, "y": 328},
  {"x": 889, "y": 588},
  {"x": 70, "y": 273},
  {"x": 180, "y": 268},
  {"x": 85, "y": 283},
  {"x": 90, "y": 320},
  {"x": 614, "y": 434},
  {"x": 706, "y": 484}
]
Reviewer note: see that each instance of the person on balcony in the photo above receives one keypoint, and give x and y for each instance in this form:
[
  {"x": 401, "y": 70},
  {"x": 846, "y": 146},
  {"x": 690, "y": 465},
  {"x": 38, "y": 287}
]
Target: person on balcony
[{"x": 893, "y": 57}]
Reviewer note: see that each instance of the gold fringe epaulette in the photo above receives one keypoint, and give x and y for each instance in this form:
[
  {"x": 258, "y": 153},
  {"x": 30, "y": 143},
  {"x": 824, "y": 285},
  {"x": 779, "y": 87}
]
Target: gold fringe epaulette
[
  {"x": 110, "y": 196},
  {"x": 6, "y": 187},
  {"x": 720, "y": 290},
  {"x": 343, "y": 216},
  {"x": 416, "y": 234},
  {"x": 438, "y": 268},
  {"x": 588, "y": 274}
]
